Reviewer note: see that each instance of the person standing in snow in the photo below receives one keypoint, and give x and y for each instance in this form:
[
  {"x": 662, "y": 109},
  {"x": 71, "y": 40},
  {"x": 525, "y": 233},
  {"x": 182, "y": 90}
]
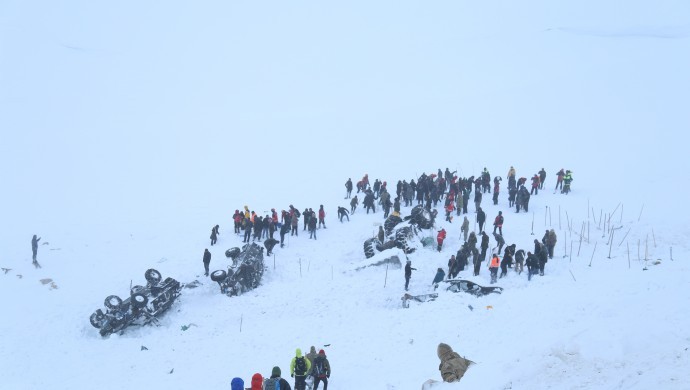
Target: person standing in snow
[
  {"x": 477, "y": 200},
  {"x": 408, "y": 273},
  {"x": 519, "y": 261},
  {"x": 312, "y": 227},
  {"x": 559, "y": 181},
  {"x": 484, "y": 246},
  {"x": 275, "y": 382},
  {"x": 348, "y": 188},
  {"x": 214, "y": 234},
  {"x": 257, "y": 382},
  {"x": 322, "y": 217},
  {"x": 465, "y": 228},
  {"x": 206, "y": 260},
  {"x": 532, "y": 264},
  {"x": 453, "y": 366},
  {"x": 493, "y": 267},
  {"x": 34, "y": 248},
  {"x": 284, "y": 229},
  {"x": 237, "y": 384},
  {"x": 542, "y": 178},
  {"x": 452, "y": 267},
  {"x": 382, "y": 235},
  {"x": 299, "y": 367},
  {"x": 499, "y": 241},
  {"x": 498, "y": 223},
  {"x": 481, "y": 218},
  {"x": 321, "y": 370},
  {"x": 440, "y": 237},
  {"x": 294, "y": 224}
]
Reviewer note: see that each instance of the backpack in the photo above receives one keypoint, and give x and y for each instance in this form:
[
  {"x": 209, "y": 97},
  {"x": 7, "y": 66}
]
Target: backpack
[
  {"x": 300, "y": 366},
  {"x": 319, "y": 369},
  {"x": 272, "y": 384}
]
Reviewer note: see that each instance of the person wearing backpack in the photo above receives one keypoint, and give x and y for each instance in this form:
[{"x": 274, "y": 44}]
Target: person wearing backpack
[
  {"x": 275, "y": 382},
  {"x": 257, "y": 382},
  {"x": 321, "y": 370},
  {"x": 299, "y": 367}
]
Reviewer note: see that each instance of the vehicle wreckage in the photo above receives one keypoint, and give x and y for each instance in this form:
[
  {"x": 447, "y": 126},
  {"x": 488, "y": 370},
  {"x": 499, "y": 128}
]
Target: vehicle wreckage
[
  {"x": 456, "y": 285},
  {"x": 399, "y": 237},
  {"x": 143, "y": 306},
  {"x": 244, "y": 273}
]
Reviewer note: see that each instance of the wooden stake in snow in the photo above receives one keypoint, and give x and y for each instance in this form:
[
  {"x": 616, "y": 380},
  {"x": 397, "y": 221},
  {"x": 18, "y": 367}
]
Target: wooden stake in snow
[
  {"x": 300, "y": 267},
  {"x": 308, "y": 265},
  {"x": 595, "y": 249},
  {"x": 640, "y": 216},
  {"x": 671, "y": 253},
  {"x": 581, "y": 234},
  {"x": 628, "y": 246},
  {"x": 532, "y": 223},
  {"x": 638, "y": 249},
  {"x": 601, "y": 211},
  {"x": 611, "y": 244},
  {"x": 587, "y": 231},
  {"x": 331, "y": 272},
  {"x": 588, "y": 209},
  {"x": 571, "y": 249},
  {"x": 385, "y": 280},
  {"x": 571, "y": 274},
  {"x": 626, "y": 235},
  {"x": 549, "y": 216},
  {"x": 621, "y": 221},
  {"x": 545, "y": 212},
  {"x": 614, "y": 210},
  {"x": 274, "y": 261},
  {"x": 241, "y": 317},
  {"x": 646, "y": 247},
  {"x": 565, "y": 245},
  {"x": 567, "y": 219}
]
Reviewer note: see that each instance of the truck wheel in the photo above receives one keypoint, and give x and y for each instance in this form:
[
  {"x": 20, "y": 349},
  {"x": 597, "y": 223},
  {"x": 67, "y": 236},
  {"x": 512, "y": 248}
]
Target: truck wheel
[
  {"x": 152, "y": 276},
  {"x": 219, "y": 275},
  {"x": 96, "y": 318},
  {"x": 139, "y": 300},
  {"x": 113, "y": 302}
]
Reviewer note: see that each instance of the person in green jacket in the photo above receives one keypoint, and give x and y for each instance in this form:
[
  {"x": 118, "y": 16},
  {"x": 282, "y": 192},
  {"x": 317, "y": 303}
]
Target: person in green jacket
[{"x": 300, "y": 366}]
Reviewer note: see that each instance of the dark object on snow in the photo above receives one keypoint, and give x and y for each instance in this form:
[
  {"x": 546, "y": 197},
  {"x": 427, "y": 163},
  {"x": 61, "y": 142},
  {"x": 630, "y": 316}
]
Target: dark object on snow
[
  {"x": 245, "y": 273},
  {"x": 390, "y": 223},
  {"x": 418, "y": 298},
  {"x": 393, "y": 261},
  {"x": 144, "y": 305},
  {"x": 471, "y": 288},
  {"x": 370, "y": 246},
  {"x": 421, "y": 217},
  {"x": 232, "y": 253},
  {"x": 270, "y": 243}
]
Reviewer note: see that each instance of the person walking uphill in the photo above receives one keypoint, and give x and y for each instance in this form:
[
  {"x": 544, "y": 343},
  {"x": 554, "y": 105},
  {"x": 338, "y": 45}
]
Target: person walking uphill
[
  {"x": 207, "y": 260},
  {"x": 257, "y": 382},
  {"x": 408, "y": 273},
  {"x": 321, "y": 370},
  {"x": 214, "y": 234},
  {"x": 440, "y": 237},
  {"x": 34, "y": 249},
  {"x": 275, "y": 382},
  {"x": 453, "y": 366},
  {"x": 299, "y": 367}
]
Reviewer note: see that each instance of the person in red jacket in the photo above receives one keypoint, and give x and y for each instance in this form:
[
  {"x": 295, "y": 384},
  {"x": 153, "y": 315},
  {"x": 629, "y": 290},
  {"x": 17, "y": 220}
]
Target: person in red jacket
[
  {"x": 237, "y": 219},
  {"x": 257, "y": 382},
  {"x": 440, "y": 237},
  {"x": 535, "y": 185},
  {"x": 498, "y": 223},
  {"x": 493, "y": 267},
  {"x": 322, "y": 216}
]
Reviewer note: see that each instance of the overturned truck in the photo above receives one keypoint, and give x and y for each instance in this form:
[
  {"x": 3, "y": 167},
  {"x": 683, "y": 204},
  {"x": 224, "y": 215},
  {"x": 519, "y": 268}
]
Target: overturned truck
[
  {"x": 143, "y": 306},
  {"x": 245, "y": 272}
]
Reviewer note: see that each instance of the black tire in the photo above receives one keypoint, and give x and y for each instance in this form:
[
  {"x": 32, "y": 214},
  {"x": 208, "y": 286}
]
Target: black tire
[
  {"x": 96, "y": 319},
  {"x": 152, "y": 276},
  {"x": 422, "y": 217},
  {"x": 113, "y": 302},
  {"x": 386, "y": 245},
  {"x": 219, "y": 275},
  {"x": 136, "y": 289},
  {"x": 139, "y": 300},
  {"x": 402, "y": 235},
  {"x": 370, "y": 247},
  {"x": 232, "y": 252},
  {"x": 390, "y": 224}
]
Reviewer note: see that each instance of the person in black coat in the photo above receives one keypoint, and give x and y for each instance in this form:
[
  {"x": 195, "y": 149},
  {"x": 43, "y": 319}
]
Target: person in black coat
[
  {"x": 484, "y": 246},
  {"x": 481, "y": 218},
  {"x": 214, "y": 234},
  {"x": 408, "y": 273},
  {"x": 342, "y": 212},
  {"x": 206, "y": 260},
  {"x": 285, "y": 228},
  {"x": 532, "y": 264},
  {"x": 34, "y": 249},
  {"x": 312, "y": 227},
  {"x": 248, "y": 227},
  {"x": 512, "y": 193}
]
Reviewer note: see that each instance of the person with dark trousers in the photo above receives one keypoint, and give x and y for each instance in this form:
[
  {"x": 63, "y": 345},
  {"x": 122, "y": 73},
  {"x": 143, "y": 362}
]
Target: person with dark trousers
[
  {"x": 299, "y": 367},
  {"x": 499, "y": 241},
  {"x": 484, "y": 246},
  {"x": 34, "y": 249},
  {"x": 559, "y": 181},
  {"x": 542, "y": 178},
  {"x": 312, "y": 228},
  {"x": 322, "y": 217},
  {"x": 248, "y": 227},
  {"x": 214, "y": 234},
  {"x": 342, "y": 212},
  {"x": 348, "y": 188},
  {"x": 440, "y": 275},
  {"x": 493, "y": 267},
  {"x": 408, "y": 273},
  {"x": 535, "y": 185},
  {"x": 284, "y": 229},
  {"x": 321, "y": 370},
  {"x": 207, "y": 260},
  {"x": 353, "y": 204},
  {"x": 481, "y": 218},
  {"x": 498, "y": 223}
]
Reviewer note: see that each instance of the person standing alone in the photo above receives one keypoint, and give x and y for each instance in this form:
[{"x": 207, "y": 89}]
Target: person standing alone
[{"x": 34, "y": 249}]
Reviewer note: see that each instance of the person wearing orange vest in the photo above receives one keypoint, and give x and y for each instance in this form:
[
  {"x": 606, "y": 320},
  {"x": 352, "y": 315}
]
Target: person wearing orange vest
[
  {"x": 493, "y": 267},
  {"x": 440, "y": 237}
]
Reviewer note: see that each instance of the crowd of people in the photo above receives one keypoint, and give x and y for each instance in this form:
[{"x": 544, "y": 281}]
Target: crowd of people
[{"x": 308, "y": 371}]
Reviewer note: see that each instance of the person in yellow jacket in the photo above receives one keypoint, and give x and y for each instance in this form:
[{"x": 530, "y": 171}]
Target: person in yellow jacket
[
  {"x": 247, "y": 214},
  {"x": 493, "y": 267},
  {"x": 300, "y": 366}
]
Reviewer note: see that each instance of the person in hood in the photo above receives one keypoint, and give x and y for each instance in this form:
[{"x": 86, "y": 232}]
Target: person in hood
[
  {"x": 408, "y": 273},
  {"x": 257, "y": 382},
  {"x": 237, "y": 384},
  {"x": 275, "y": 381},
  {"x": 440, "y": 237},
  {"x": 207, "y": 260},
  {"x": 453, "y": 366},
  {"x": 299, "y": 367},
  {"x": 440, "y": 274},
  {"x": 321, "y": 370}
]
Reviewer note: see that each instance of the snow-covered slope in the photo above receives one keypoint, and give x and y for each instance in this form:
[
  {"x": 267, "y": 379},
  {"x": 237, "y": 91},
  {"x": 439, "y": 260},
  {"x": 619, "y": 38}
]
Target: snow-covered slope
[{"x": 129, "y": 130}]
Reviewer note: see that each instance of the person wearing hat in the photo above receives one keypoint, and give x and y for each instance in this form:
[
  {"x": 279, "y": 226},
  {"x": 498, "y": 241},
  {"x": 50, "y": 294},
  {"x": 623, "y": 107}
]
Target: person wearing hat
[
  {"x": 237, "y": 384},
  {"x": 257, "y": 382},
  {"x": 275, "y": 381},
  {"x": 498, "y": 223},
  {"x": 453, "y": 366},
  {"x": 321, "y": 370}
]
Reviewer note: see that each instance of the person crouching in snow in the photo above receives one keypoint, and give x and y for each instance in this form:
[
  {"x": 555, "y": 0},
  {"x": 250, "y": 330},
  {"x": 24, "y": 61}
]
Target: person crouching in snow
[
  {"x": 440, "y": 237},
  {"x": 453, "y": 366},
  {"x": 440, "y": 274}
]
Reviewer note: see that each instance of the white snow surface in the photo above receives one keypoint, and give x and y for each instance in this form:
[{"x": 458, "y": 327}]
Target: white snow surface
[{"x": 129, "y": 129}]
